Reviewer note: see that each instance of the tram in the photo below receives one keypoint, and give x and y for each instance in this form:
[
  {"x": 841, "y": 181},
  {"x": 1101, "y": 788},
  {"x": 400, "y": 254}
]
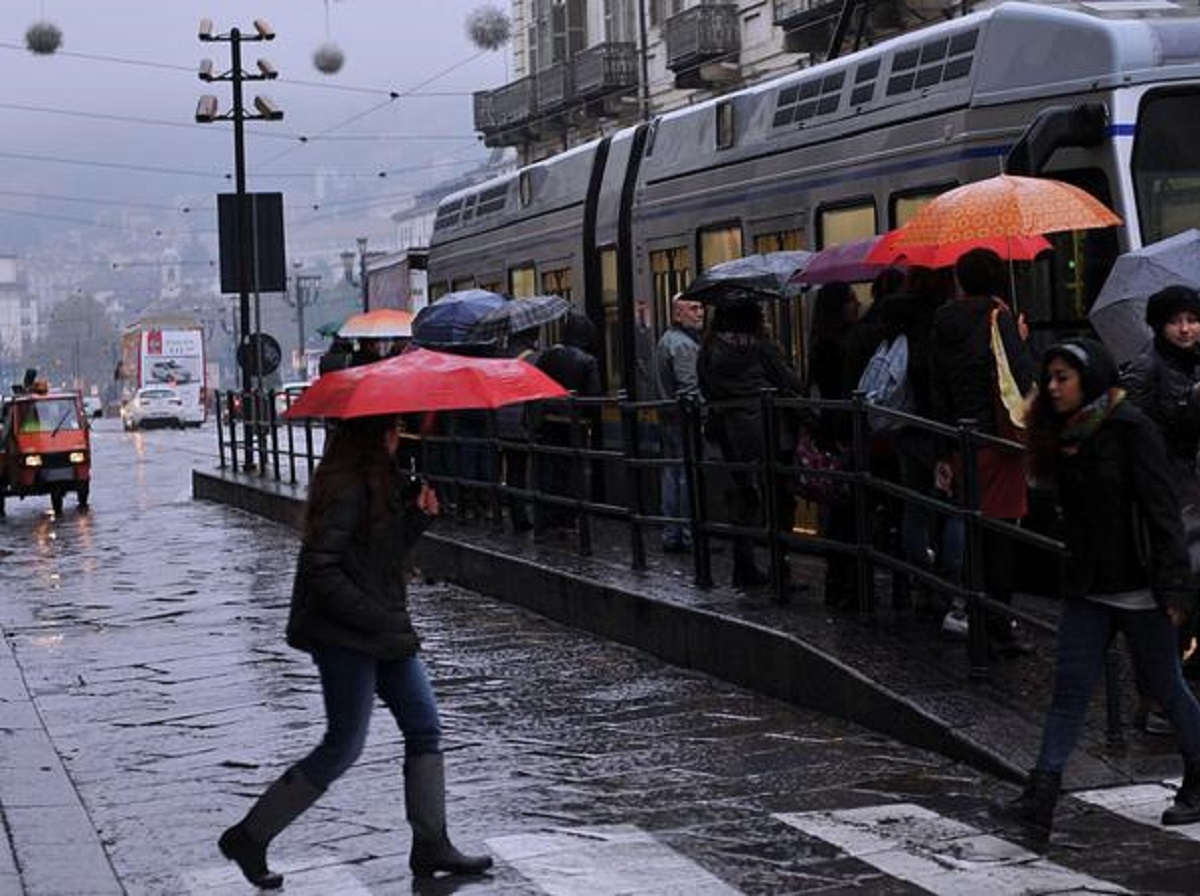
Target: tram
[{"x": 849, "y": 148}]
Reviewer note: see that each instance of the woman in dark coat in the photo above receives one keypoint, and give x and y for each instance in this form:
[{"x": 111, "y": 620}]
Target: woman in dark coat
[
  {"x": 737, "y": 362},
  {"x": 349, "y": 610},
  {"x": 1126, "y": 568},
  {"x": 1165, "y": 383}
]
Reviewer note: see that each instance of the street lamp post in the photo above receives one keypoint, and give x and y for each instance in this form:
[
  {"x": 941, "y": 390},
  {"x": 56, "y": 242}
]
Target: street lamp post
[
  {"x": 206, "y": 112},
  {"x": 362, "y": 261},
  {"x": 306, "y": 288}
]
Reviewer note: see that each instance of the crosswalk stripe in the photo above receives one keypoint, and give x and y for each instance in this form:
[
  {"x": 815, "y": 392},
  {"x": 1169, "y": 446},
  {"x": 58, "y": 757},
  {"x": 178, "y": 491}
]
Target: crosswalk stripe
[
  {"x": 299, "y": 880},
  {"x": 609, "y": 860},
  {"x": 939, "y": 854},
  {"x": 1143, "y": 803}
]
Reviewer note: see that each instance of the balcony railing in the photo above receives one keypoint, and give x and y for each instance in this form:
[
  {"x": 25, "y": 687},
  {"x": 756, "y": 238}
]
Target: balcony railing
[
  {"x": 485, "y": 115},
  {"x": 605, "y": 69},
  {"x": 555, "y": 88},
  {"x": 514, "y": 103},
  {"x": 702, "y": 33}
]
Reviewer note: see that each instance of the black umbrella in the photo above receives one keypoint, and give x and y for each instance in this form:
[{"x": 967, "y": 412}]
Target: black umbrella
[
  {"x": 516, "y": 315},
  {"x": 754, "y": 278}
]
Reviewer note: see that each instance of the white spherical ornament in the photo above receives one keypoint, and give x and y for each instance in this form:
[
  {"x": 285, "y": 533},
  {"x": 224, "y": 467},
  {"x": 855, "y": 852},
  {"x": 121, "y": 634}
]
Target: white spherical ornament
[
  {"x": 329, "y": 58},
  {"x": 489, "y": 28},
  {"x": 43, "y": 38}
]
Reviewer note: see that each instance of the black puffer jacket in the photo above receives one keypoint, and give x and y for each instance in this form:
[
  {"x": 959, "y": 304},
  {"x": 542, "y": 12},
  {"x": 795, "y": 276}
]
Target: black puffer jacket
[
  {"x": 1117, "y": 493},
  {"x": 1162, "y": 383},
  {"x": 350, "y": 588},
  {"x": 963, "y": 367},
  {"x": 735, "y": 365}
]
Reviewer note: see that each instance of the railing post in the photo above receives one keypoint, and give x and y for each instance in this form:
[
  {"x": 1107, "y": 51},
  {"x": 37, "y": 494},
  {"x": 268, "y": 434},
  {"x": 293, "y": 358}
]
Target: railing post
[
  {"x": 977, "y": 615},
  {"x": 771, "y": 497},
  {"x": 691, "y": 420},
  {"x": 580, "y": 477},
  {"x": 220, "y": 431},
  {"x": 273, "y": 433},
  {"x": 864, "y": 569},
  {"x": 637, "y": 497}
]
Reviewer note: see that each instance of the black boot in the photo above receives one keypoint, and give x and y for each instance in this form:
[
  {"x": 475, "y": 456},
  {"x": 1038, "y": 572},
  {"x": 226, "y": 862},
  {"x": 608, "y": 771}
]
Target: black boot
[
  {"x": 246, "y": 842},
  {"x": 425, "y": 805},
  {"x": 1187, "y": 799},
  {"x": 1035, "y": 806}
]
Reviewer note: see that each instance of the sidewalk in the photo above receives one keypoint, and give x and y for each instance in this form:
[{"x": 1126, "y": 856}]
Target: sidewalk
[{"x": 889, "y": 672}]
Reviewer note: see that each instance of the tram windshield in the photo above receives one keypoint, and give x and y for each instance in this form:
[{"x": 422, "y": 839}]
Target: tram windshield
[{"x": 1166, "y": 163}]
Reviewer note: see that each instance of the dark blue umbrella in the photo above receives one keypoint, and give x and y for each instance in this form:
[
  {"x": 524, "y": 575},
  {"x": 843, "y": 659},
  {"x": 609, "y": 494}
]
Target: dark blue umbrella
[{"x": 450, "y": 320}]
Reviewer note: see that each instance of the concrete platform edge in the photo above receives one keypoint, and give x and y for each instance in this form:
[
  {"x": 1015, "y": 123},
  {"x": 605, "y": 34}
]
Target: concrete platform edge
[{"x": 761, "y": 659}]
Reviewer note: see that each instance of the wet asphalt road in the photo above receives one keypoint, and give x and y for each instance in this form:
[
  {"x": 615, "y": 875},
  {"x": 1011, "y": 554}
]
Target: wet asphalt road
[{"x": 149, "y": 634}]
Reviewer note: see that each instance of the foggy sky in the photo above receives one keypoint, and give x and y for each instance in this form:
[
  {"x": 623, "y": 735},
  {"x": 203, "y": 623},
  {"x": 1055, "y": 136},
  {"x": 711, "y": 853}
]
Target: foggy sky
[{"x": 137, "y": 61}]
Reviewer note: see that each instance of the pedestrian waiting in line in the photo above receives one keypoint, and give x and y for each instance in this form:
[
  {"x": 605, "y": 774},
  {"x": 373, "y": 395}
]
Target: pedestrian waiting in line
[
  {"x": 675, "y": 378},
  {"x": 1126, "y": 569},
  {"x": 349, "y": 611},
  {"x": 1164, "y": 381},
  {"x": 975, "y": 339}
]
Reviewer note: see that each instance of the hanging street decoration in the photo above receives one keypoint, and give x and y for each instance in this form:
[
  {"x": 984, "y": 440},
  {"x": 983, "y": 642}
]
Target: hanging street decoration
[
  {"x": 489, "y": 27},
  {"x": 43, "y": 38},
  {"x": 329, "y": 58}
]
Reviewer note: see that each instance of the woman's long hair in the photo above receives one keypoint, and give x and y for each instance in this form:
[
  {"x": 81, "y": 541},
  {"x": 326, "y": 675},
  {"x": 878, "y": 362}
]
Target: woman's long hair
[{"x": 356, "y": 455}]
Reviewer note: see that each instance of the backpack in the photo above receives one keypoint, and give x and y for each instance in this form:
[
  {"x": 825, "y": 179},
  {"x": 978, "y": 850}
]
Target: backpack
[{"x": 884, "y": 384}]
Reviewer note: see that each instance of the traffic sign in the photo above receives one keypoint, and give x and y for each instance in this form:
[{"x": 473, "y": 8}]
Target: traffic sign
[{"x": 259, "y": 345}]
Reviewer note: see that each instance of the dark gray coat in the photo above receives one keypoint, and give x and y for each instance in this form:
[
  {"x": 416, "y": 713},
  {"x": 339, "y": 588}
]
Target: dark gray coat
[{"x": 1162, "y": 383}]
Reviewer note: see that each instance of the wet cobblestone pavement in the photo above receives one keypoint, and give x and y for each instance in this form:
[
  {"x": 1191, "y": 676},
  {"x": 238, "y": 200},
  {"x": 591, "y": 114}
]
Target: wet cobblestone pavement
[{"x": 148, "y": 635}]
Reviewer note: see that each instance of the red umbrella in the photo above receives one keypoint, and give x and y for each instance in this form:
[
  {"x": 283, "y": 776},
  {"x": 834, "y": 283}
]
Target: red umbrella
[
  {"x": 888, "y": 251},
  {"x": 423, "y": 380}
]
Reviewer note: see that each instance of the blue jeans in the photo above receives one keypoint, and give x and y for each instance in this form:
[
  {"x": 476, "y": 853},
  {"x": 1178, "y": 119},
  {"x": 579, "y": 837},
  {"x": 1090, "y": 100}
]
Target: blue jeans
[
  {"x": 349, "y": 682},
  {"x": 1086, "y": 630},
  {"x": 675, "y": 503}
]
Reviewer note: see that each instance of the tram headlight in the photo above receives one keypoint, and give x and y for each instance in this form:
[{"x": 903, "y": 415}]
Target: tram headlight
[
  {"x": 33, "y": 460},
  {"x": 77, "y": 457}
]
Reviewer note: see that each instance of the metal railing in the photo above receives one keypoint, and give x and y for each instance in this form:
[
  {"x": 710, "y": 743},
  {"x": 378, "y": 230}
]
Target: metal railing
[{"x": 593, "y": 459}]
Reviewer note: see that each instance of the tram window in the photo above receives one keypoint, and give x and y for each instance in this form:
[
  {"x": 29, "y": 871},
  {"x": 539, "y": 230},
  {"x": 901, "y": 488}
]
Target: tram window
[
  {"x": 718, "y": 244},
  {"x": 492, "y": 285},
  {"x": 557, "y": 282},
  {"x": 724, "y": 131},
  {"x": 522, "y": 282},
  {"x": 672, "y": 272},
  {"x": 461, "y": 283},
  {"x": 906, "y": 205},
  {"x": 525, "y": 189},
  {"x": 1166, "y": 163},
  {"x": 840, "y": 224},
  {"x": 779, "y": 241}
]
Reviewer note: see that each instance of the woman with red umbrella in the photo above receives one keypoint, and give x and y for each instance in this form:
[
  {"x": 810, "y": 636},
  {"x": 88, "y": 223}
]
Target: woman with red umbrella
[{"x": 349, "y": 611}]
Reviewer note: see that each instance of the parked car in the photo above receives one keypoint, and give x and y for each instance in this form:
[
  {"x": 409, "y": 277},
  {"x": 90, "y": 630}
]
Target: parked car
[
  {"x": 169, "y": 370},
  {"x": 153, "y": 406},
  {"x": 286, "y": 395}
]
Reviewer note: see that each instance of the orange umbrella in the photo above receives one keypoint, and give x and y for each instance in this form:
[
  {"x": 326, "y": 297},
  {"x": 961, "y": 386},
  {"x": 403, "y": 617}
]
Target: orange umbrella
[
  {"x": 888, "y": 250},
  {"x": 1005, "y": 206},
  {"x": 382, "y": 323}
]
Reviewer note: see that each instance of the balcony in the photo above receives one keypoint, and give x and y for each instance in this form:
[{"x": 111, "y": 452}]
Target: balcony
[
  {"x": 699, "y": 36},
  {"x": 606, "y": 69},
  {"x": 501, "y": 113},
  {"x": 809, "y": 25},
  {"x": 555, "y": 88}
]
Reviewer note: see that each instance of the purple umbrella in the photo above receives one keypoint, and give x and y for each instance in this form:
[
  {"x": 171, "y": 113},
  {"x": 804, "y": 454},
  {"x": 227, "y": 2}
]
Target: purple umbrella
[{"x": 845, "y": 262}]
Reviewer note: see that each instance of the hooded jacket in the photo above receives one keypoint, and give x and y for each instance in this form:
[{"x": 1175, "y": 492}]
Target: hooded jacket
[
  {"x": 963, "y": 368},
  {"x": 1121, "y": 516}
]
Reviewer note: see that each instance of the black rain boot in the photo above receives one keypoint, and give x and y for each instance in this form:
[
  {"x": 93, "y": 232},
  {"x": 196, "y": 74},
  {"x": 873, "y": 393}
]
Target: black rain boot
[
  {"x": 1035, "y": 806},
  {"x": 246, "y": 842},
  {"x": 425, "y": 806},
  {"x": 1186, "y": 808}
]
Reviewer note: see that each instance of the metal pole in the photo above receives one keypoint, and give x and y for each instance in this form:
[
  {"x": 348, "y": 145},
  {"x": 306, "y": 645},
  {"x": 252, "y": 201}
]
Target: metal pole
[
  {"x": 243, "y": 232},
  {"x": 300, "y": 298},
  {"x": 644, "y": 62},
  {"x": 362, "y": 260}
]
